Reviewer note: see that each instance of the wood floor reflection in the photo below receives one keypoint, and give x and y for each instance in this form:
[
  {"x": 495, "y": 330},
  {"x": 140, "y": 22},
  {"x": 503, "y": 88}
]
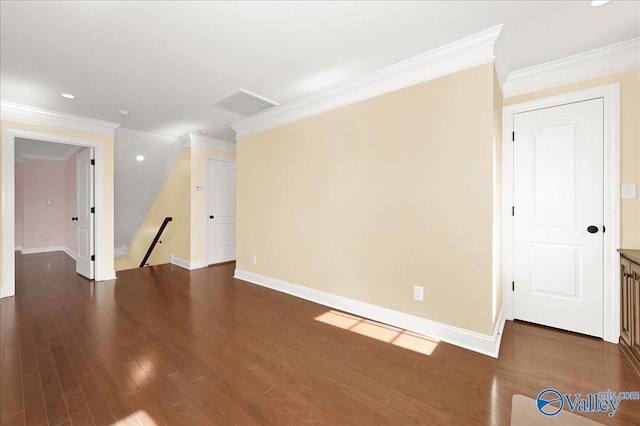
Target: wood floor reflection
[{"x": 163, "y": 345}]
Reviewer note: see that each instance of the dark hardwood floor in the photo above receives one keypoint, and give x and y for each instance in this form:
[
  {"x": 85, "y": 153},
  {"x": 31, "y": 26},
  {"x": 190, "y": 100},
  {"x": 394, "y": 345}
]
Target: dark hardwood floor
[{"x": 163, "y": 345}]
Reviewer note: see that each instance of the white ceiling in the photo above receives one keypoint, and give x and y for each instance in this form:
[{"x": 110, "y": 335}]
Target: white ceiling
[
  {"x": 166, "y": 62},
  {"x": 29, "y": 148}
]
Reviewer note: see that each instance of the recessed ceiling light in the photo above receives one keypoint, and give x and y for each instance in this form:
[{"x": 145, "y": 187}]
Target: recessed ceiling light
[
  {"x": 140, "y": 157},
  {"x": 67, "y": 95},
  {"x": 203, "y": 132},
  {"x": 596, "y": 3}
]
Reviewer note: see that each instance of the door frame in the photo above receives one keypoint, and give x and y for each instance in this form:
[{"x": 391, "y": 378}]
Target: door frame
[
  {"x": 8, "y": 200},
  {"x": 205, "y": 216},
  {"x": 611, "y": 280}
]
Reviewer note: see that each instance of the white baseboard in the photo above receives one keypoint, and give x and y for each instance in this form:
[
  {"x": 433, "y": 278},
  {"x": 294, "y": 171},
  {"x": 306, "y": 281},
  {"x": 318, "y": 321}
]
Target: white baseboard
[
  {"x": 42, "y": 249},
  {"x": 72, "y": 254},
  {"x": 18, "y": 248},
  {"x": 106, "y": 276},
  {"x": 187, "y": 264},
  {"x": 482, "y": 343}
]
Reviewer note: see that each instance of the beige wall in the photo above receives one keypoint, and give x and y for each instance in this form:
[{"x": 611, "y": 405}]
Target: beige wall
[
  {"x": 370, "y": 199},
  {"x": 629, "y": 139},
  {"x": 107, "y": 142},
  {"x": 184, "y": 236},
  {"x": 497, "y": 198}
]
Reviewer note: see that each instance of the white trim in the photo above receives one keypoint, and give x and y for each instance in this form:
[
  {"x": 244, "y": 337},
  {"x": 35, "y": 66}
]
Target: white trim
[
  {"x": 594, "y": 63},
  {"x": 194, "y": 140},
  {"x": 186, "y": 264},
  {"x": 469, "y": 52},
  {"x": 72, "y": 254},
  {"x": 120, "y": 251},
  {"x": 43, "y": 117},
  {"x": 205, "y": 202},
  {"x": 64, "y": 157},
  {"x": 484, "y": 344},
  {"x": 611, "y": 297},
  {"x": 36, "y": 250},
  {"x": 8, "y": 187},
  {"x": 18, "y": 248}
]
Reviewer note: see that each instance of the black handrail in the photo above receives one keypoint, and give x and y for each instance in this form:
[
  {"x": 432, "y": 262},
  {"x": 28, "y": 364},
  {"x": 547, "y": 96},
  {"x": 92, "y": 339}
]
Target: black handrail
[{"x": 155, "y": 241}]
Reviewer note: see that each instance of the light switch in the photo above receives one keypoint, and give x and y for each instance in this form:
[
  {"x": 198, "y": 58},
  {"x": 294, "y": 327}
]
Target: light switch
[{"x": 629, "y": 191}]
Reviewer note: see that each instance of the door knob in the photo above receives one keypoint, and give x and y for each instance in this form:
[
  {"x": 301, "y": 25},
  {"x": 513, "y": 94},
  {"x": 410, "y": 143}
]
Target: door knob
[
  {"x": 210, "y": 216},
  {"x": 592, "y": 229}
]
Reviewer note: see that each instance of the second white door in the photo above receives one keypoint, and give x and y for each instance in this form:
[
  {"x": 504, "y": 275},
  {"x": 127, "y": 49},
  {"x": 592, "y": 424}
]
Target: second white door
[
  {"x": 85, "y": 264},
  {"x": 221, "y": 211},
  {"x": 558, "y": 220}
]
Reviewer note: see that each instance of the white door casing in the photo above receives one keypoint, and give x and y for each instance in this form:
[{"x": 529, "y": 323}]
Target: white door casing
[
  {"x": 85, "y": 219},
  {"x": 609, "y": 96},
  {"x": 220, "y": 214},
  {"x": 558, "y": 196},
  {"x": 9, "y": 134}
]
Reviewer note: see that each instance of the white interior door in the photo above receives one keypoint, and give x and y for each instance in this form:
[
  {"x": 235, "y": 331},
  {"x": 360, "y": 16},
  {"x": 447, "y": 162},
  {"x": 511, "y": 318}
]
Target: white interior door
[
  {"x": 558, "y": 218},
  {"x": 221, "y": 211},
  {"x": 85, "y": 219}
]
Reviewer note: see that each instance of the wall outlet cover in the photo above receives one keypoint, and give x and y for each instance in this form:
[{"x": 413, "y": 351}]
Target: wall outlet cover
[
  {"x": 629, "y": 191},
  {"x": 418, "y": 293}
]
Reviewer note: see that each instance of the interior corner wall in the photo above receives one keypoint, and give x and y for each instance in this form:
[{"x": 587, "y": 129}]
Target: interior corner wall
[
  {"x": 19, "y": 191},
  {"x": 173, "y": 201},
  {"x": 629, "y": 140},
  {"x": 497, "y": 198},
  {"x": 368, "y": 200}
]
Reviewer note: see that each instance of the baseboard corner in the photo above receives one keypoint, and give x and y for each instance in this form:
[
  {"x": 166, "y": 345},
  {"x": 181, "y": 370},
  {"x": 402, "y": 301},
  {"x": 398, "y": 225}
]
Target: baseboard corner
[{"x": 488, "y": 345}]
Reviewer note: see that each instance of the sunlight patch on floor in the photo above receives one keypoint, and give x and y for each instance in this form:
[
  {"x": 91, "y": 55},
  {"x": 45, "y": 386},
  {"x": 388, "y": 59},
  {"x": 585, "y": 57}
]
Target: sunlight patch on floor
[
  {"x": 139, "y": 417},
  {"x": 378, "y": 331}
]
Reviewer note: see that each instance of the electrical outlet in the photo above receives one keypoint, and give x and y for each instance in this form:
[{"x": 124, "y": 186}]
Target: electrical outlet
[
  {"x": 418, "y": 293},
  {"x": 254, "y": 259}
]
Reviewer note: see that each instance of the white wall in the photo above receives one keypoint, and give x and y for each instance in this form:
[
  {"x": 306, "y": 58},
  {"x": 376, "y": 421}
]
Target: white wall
[{"x": 138, "y": 183}]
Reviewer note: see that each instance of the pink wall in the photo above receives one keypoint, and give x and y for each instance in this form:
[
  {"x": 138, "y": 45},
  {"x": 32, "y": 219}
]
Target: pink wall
[
  {"x": 70, "y": 190},
  {"x": 44, "y": 204},
  {"x": 19, "y": 188}
]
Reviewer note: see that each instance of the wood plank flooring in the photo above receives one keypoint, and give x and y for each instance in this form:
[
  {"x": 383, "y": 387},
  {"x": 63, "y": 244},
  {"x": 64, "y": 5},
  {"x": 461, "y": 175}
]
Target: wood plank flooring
[{"x": 166, "y": 346}]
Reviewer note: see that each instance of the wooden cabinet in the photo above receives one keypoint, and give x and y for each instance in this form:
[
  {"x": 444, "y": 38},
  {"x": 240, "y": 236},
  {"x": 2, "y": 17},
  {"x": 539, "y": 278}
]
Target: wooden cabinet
[
  {"x": 630, "y": 309},
  {"x": 626, "y": 291}
]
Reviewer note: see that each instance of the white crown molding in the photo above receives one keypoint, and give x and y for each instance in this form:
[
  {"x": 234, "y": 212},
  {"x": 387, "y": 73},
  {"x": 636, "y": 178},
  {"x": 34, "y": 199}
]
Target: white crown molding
[
  {"x": 64, "y": 157},
  {"x": 23, "y": 113},
  {"x": 484, "y": 344},
  {"x": 594, "y": 63},
  {"x": 194, "y": 140},
  {"x": 457, "y": 56}
]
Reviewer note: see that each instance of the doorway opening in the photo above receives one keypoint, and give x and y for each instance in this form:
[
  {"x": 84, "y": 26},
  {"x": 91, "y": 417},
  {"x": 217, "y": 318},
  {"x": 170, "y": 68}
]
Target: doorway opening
[
  {"x": 53, "y": 195},
  {"x": 9, "y": 136}
]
